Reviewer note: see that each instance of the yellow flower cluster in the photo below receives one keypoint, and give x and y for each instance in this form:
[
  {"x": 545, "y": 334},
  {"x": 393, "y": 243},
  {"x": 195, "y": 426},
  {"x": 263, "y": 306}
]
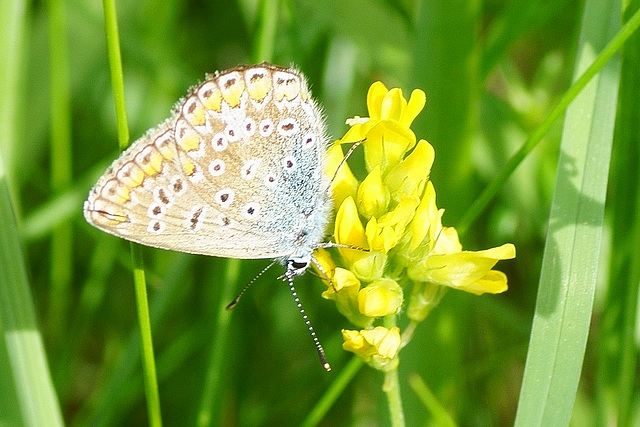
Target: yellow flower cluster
[{"x": 391, "y": 221}]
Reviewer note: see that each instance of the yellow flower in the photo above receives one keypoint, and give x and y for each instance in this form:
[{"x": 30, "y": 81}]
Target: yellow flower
[
  {"x": 383, "y": 234},
  {"x": 380, "y": 298},
  {"x": 349, "y": 231},
  {"x": 378, "y": 346},
  {"x": 366, "y": 265},
  {"x": 423, "y": 229},
  {"x": 386, "y": 135},
  {"x": 324, "y": 265},
  {"x": 380, "y": 238},
  {"x": 465, "y": 270},
  {"x": 390, "y": 104},
  {"x": 344, "y": 291},
  {"x": 386, "y": 143},
  {"x": 403, "y": 241},
  {"x": 408, "y": 178},
  {"x": 373, "y": 195}
]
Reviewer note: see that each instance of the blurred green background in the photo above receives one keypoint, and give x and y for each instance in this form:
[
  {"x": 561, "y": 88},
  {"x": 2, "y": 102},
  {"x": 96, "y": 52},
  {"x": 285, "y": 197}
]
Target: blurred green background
[{"x": 491, "y": 71}]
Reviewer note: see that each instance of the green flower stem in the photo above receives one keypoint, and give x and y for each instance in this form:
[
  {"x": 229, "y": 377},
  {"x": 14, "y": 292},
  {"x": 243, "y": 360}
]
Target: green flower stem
[
  {"x": 117, "y": 81},
  {"x": 391, "y": 386},
  {"x": 392, "y": 389}
]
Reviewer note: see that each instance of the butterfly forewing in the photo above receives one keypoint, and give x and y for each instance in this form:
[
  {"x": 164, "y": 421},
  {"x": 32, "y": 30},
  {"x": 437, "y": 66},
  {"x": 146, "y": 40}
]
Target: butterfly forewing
[{"x": 237, "y": 171}]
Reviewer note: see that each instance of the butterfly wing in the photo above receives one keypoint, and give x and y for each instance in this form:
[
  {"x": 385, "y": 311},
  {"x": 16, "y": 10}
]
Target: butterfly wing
[{"x": 237, "y": 171}]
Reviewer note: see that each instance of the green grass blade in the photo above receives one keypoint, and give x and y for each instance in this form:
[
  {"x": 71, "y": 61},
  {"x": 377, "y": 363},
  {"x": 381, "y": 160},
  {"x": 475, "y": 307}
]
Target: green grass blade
[
  {"x": 569, "y": 269},
  {"x": 25, "y": 371},
  {"x": 498, "y": 182},
  {"x": 12, "y": 20},
  {"x": 142, "y": 303},
  {"x": 34, "y": 388},
  {"x": 516, "y": 19},
  {"x": 61, "y": 273},
  {"x": 430, "y": 401},
  {"x": 11, "y": 30},
  {"x": 342, "y": 380},
  {"x": 615, "y": 387},
  {"x": 266, "y": 31},
  {"x": 115, "y": 71},
  {"x": 144, "y": 322}
]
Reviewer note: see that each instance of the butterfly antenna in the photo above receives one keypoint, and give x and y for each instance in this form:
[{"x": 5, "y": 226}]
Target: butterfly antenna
[
  {"x": 236, "y": 300},
  {"x": 344, "y": 159},
  {"x": 316, "y": 341},
  {"x": 327, "y": 245},
  {"x": 323, "y": 273}
]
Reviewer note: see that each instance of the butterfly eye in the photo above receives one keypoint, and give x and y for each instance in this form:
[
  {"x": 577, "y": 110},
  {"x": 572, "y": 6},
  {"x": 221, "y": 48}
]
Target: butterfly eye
[{"x": 298, "y": 263}]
